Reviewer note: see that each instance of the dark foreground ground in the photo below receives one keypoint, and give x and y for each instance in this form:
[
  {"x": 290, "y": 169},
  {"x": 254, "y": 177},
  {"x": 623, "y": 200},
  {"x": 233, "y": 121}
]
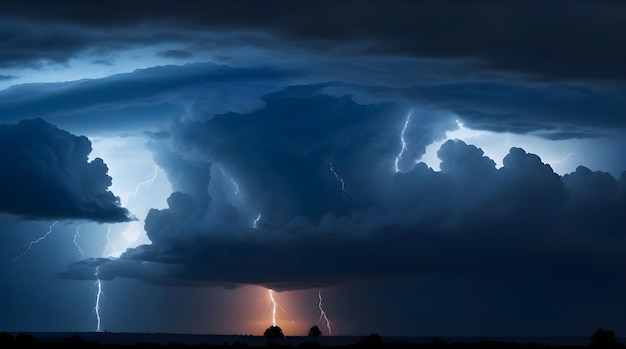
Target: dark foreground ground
[{"x": 155, "y": 341}]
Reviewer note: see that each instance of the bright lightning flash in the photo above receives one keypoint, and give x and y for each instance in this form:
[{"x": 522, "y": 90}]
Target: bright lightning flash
[
  {"x": 274, "y": 305},
  {"x": 96, "y": 308},
  {"x": 403, "y": 141},
  {"x": 34, "y": 242},
  {"x": 323, "y": 313},
  {"x": 98, "y": 284}
]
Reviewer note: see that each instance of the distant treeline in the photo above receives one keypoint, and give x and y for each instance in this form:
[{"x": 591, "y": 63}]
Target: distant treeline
[{"x": 25, "y": 340}]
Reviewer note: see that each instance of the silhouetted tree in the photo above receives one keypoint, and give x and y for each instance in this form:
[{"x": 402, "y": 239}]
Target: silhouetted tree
[
  {"x": 315, "y": 331},
  {"x": 437, "y": 342},
  {"x": 274, "y": 332},
  {"x": 6, "y": 340},
  {"x": 603, "y": 338},
  {"x": 26, "y": 340},
  {"x": 371, "y": 341}
]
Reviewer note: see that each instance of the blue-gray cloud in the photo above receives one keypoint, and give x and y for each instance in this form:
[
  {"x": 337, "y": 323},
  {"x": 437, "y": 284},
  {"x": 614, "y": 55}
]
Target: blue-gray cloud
[
  {"x": 176, "y": 54},
  {"x": 137, "y": 100},
  {"x": 469, "y": 217},
  {"x": 46, "y": 174},
  {"x": 158, "y": 96}
]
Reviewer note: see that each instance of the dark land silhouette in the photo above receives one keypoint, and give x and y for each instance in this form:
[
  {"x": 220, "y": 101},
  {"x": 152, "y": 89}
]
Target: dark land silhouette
[{"x": 274, "y": 338}]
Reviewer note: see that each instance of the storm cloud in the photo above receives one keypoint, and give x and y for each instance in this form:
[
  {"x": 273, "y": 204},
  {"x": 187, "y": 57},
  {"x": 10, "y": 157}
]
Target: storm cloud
[
  {"x": 46, "y": 174},
  {"x": 431, "y": 166},
  {"x": 315, "y": 230},
  {"x": 503, "y": 36}
]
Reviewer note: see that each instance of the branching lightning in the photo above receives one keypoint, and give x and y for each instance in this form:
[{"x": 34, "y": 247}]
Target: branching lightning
[
  {"x": 109, "y": 244},
  {"x": 346, "y": 194},
  {"x": 75, "y": 240},
  {"x": 274, "y": 305},
  {"x": 96, "y": 308},
  {"x": 403, "y": 141},
  {"x": 98, "y": 284},
  {"x": 323, "y": 313},
  {"x": 34, "y": 242},
  {"x": 255, "y": 224},
  {"x": 151, "y": 179}
]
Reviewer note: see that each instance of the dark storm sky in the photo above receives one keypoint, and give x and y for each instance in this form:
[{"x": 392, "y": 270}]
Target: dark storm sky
[{"x": 294, "y": 137}]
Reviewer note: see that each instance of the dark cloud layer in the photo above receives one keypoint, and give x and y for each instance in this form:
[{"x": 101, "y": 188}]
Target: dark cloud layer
[
  {"x": 545, "y": 40},
  {"x": 45, "y": 173},
  {"x": 275, "y": 163},
  {"x": 294, "y": 163},
  {"x": 160, "y": 95},
  {"x": 175, "y": 54},
  {"x": 153, "y": 96}
]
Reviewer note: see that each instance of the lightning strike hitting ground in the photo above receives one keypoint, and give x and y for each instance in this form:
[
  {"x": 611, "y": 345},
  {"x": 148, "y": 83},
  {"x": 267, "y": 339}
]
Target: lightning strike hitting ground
[
  {"x": 323, "y": 313},
  {"x": 346, "y": 194},
  {"x": 403, "y": 141},
  {"x": 98, "y": 284},
  {"x": 34, "y": 242},
  {"x": 274, "y": 305},
  {"x": 96, "y": 308},
  {"x": 255, "y": 224}
]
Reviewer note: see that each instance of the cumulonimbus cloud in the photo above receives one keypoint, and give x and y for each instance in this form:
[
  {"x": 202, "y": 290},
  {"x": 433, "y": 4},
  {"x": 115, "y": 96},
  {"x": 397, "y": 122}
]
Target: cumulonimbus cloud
[
  {"x": 470, "y": 216},
  {"x": 46, "y": 173}
]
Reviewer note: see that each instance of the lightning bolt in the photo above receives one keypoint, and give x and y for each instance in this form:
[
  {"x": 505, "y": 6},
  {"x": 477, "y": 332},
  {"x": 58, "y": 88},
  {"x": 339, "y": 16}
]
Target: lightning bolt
[
  {"x": 75, "y": 240},
  {"x": 255, "y": 224},
  {"x": 151, "y": 179},
  {"x": 323, "y": 313},
  {"x": 344, "y": 192},
  {"x": 232, "y": 180},
  {"x": 403, "y": 141},
  {"x": 98, "y": 283},
  {"x": 274, "y": 305},
  {"x": 34, "y": 242},
  {"x": 569, "y": 155},
  {"x": 96, "y": 307},
  {"x": 109, "y": 244}
]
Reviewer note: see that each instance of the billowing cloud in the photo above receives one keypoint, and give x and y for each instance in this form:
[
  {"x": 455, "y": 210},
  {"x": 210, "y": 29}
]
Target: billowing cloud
[
  {"x": 288, "y": 158},
  {"x": 46, "y": 174},
  {"x": 317, "y": 227}
]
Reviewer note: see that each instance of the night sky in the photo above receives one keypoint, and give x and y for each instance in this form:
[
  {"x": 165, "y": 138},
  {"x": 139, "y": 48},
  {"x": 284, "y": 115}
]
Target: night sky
[{"x": 451, "y": 168}]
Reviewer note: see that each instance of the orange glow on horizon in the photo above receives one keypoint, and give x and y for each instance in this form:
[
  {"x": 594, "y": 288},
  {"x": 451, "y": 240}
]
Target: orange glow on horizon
[
  {"x": 286, "y": 316},
  {"x": 247, "y": 310}
]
